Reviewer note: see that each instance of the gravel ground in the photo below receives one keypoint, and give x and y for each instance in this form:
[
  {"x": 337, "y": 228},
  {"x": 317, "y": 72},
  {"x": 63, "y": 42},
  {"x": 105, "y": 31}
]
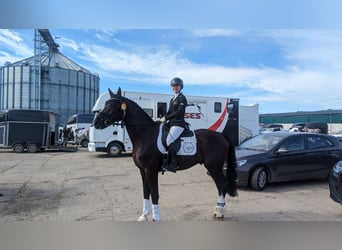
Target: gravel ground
[{"x": 84, "y": 186}]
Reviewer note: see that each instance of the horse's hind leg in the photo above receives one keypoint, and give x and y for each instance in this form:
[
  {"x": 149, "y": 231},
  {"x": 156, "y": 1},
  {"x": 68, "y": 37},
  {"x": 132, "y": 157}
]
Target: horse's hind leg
[{"x": 220, "y": 208}]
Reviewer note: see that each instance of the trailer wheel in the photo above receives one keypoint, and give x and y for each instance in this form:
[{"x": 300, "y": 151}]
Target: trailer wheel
[
  {"x": 32, "y": 148},
  {"x": 114, "y": 149},
  {"x": 18, "y": 148},
  {"x": 84, "y": 143}
]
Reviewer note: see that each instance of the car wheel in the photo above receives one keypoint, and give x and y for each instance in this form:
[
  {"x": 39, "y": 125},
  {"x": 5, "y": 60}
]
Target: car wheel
[
  {"x": 32, "y": 148},
  {"x": 114, "y": 149},
  {"x": 84, "y": 143},
  {"x": 259, "y": 179},
  {"x": 18, "y": 148}
]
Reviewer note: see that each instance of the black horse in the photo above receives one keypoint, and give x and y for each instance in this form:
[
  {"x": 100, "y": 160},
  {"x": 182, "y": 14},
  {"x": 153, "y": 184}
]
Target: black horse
[{"x": 214, "y": 150}]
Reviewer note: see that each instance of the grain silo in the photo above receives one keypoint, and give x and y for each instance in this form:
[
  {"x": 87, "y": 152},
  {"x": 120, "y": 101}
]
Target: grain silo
[{"x": 48, "y": 81}]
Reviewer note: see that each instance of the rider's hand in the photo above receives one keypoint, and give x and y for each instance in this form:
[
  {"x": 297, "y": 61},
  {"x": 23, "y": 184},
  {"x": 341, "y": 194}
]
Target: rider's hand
[{"x": 162, "y": 119}]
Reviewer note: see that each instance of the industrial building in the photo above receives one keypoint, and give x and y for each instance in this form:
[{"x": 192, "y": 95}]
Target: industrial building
[
  {"x": 48, "y": 81},
  {"x": 332, "y": 117}
]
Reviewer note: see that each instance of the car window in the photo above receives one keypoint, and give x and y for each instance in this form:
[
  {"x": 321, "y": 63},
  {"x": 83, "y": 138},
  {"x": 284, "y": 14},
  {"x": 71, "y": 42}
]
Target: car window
[
  {"x": 316, "y": 142},
  {"x": 293, "y": 143},
  {"x": 261, "y": 142}
]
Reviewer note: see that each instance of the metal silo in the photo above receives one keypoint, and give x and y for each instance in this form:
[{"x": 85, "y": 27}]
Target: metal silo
[{"x": 48, "y": 81}]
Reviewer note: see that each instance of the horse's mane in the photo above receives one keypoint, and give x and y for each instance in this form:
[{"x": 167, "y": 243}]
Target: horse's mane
[{"x": 138, "y": 107}]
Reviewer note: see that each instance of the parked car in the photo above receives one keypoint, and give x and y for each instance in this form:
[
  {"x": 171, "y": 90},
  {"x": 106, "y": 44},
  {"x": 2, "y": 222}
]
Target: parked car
[
  {"x": 297, "y": 127},
  {"x": 335, "y": 183},
  {"x": 338, "y": 135},
  {"x": 273, "y": 128},
  {"x": 286, "y": 156},
  {"x": 316, "y": 127}
]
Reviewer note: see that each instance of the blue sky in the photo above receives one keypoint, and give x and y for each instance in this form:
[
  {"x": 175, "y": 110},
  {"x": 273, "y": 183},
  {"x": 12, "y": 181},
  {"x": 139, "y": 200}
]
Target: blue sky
[{"x": 284, "y": 67}]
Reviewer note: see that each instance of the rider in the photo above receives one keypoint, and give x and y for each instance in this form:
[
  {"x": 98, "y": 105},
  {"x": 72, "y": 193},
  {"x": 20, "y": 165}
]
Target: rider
[{"x": 175, "y": 118}]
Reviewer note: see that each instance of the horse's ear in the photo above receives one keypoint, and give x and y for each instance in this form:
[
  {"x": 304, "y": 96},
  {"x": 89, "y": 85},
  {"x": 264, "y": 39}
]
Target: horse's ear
[
  {"x": 119, "y": 92},
  {"x": 111, "y": 93}
]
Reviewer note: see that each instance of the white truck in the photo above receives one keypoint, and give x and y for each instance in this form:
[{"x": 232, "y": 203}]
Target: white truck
[
  {"x": 78, "y": 125},
  {"x": 221, "y": 114}
]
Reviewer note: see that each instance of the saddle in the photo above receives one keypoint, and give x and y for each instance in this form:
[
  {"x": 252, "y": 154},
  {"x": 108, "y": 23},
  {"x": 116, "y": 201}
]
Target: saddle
[{"x": 186, "y": 144}]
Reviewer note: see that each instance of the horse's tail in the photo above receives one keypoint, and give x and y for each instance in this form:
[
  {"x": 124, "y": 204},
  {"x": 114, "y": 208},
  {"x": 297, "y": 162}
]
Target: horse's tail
[{"x": 231, "y": 174}]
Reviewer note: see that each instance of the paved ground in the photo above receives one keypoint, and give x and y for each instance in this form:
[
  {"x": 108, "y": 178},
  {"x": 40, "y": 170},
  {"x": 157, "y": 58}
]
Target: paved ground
[{"x": 83, "y": 186}]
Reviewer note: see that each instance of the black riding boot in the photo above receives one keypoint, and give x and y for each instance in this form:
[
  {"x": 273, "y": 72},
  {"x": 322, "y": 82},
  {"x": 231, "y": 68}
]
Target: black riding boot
[{"x": 172, "y": 158}]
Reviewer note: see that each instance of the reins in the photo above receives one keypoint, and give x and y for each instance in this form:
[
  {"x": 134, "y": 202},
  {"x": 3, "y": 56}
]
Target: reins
[{"x": 123, "y": 124}]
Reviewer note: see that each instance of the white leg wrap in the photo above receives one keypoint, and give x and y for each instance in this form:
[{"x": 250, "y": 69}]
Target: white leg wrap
[
  {"x": 146, "y": 210},
  {"x": 156, "y": 212},
  {"x": 146, "y": 207},
  {"x": 220, "y": 208},
  {"x": 221, "y": 199}
]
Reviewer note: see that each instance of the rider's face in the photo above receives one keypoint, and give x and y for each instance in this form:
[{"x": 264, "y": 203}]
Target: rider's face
[{"x": 176, "y": 88}]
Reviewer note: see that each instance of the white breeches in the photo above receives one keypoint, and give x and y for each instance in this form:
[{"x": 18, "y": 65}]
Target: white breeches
[{"x": 173, "y": 135}]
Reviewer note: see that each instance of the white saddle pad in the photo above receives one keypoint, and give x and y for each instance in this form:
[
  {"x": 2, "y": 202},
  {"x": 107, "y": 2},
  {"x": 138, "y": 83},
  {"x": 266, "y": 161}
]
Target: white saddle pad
[{"x": 188, "y": 144}]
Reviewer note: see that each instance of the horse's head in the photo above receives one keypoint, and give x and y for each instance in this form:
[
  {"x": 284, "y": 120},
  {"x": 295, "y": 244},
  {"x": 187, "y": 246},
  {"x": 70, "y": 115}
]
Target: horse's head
[{"x": 113, "y": 111}]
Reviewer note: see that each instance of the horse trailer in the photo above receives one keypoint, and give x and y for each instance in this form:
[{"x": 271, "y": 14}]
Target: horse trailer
[
  {"x": 30, "y": 130},
  {"x": 215, "y": 113}
]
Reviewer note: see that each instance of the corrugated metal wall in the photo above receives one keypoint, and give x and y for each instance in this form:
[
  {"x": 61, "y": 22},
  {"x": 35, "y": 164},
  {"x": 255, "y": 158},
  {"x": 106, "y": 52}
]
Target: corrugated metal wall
[{"x": 63, "y": 91}]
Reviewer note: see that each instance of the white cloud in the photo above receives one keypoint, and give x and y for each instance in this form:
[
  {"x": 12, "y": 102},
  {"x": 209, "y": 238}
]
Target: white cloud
[
  {"x": 105, "y": 35},
  {"x": 16, "y": 49},
  {"x": 6, "y": 57},
  {"x": 312, "y": 49},
  {"x": 10, "y": 35},
  {"x": 312, "y": 75},
  {"x": 216, "y": 32},
  {"x": 67, "y": 43},
  {"x": 269, "y": 84}
]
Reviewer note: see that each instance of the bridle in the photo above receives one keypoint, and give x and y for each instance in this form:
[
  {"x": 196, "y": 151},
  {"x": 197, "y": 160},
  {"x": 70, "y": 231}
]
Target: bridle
[{"x": 123, "y": 107}]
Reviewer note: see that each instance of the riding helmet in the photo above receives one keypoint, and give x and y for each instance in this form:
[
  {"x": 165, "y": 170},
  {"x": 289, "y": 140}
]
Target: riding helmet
[{"x": 177, "y": 81}]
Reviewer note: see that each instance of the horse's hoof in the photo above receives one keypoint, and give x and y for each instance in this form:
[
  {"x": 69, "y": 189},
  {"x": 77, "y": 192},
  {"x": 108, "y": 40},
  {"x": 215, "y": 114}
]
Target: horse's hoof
[
  {"x": 219, "y": 213},
  {"x": 143, "y": 218},
  {"x": 217, "y": 217}
]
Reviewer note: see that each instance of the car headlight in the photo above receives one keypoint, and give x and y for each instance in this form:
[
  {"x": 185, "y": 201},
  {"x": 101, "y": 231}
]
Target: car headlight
[
  {"x": 241, "y": 163},
  {"x": 338, "y": 167}
]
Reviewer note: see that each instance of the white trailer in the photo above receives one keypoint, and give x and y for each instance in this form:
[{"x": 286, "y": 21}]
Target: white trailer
[{"x": 216, "y": 113}]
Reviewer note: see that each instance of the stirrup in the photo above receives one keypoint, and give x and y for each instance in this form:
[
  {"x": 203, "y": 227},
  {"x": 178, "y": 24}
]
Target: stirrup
[
  {"x": 172, "y": 168},
  {"x": 167, "y": 168}
]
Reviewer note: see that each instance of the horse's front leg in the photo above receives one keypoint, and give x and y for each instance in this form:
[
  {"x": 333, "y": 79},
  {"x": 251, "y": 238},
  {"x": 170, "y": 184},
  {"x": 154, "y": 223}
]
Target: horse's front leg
[
  {"x": 146, "y": 200},
  {"x": 153, "y": 185}
]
